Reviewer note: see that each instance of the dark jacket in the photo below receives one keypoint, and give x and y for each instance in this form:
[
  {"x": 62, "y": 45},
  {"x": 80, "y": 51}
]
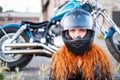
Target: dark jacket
[{"x": 94, "y": 64}]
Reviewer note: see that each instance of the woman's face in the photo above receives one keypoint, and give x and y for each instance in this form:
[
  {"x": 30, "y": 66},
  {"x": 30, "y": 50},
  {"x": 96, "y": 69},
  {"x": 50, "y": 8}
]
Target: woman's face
[{"x": 74, "y": 33}]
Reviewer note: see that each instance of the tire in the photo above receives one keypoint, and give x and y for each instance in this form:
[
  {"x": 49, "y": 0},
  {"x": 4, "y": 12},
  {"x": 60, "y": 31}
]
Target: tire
[
  {"x": 113, "y": 44},
  {"x": 14, "y": 60}
]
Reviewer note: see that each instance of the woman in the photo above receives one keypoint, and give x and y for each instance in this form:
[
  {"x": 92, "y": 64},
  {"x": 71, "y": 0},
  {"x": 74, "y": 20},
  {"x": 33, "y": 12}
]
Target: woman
[{"x": 79, "y": 58}]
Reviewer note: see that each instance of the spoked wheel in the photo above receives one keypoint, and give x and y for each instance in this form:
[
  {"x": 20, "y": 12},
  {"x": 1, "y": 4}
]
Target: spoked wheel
[
  {"x": 13, "y": 60},
  {"x": 113, "y": 44}
]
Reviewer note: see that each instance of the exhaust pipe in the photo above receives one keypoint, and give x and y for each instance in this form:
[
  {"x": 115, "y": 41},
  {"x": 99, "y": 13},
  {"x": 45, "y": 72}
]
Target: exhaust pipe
[
  {"x": 28, "y": 48},
  {"x": 27, "y": 51}
]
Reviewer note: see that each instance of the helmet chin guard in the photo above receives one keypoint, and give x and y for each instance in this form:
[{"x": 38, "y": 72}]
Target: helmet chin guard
[{"x": 79, "y": 45}]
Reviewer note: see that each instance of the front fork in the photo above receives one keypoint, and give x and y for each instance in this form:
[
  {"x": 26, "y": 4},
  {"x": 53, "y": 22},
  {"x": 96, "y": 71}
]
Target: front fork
[
  {"x": 111, "y": 22},
  {"x": 108, "y": 32}
]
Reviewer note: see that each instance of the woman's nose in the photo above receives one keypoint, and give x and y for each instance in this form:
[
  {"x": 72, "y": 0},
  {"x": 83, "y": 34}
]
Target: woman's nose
[{"x": 78, "y": 34}]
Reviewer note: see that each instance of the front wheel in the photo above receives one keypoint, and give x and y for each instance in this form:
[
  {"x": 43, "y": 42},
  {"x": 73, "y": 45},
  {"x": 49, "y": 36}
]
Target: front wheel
[
  {"x": 13, "y": 60},
  {"x": 113, "y": 44}
]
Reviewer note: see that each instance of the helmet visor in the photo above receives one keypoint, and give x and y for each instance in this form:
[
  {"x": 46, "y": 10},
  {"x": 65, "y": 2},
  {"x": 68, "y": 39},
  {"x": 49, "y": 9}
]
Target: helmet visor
[{"x": 77, "y": 19}]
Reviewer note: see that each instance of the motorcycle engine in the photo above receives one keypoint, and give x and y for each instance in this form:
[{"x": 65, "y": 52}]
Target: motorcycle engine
[
  {"x": 38, "y": 34},
  {"x": 56, "y": 31},
  {"x": 58, "y": 41}
]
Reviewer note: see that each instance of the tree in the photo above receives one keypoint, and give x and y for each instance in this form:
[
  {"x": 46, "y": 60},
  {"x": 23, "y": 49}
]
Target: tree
[
  {"x": 45, "y": 4},
  {"x": 1, "y": 9}
]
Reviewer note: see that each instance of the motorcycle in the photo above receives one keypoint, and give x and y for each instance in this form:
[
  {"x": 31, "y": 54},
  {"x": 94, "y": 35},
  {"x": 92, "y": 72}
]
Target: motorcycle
[{"x": 20, "y": 42}]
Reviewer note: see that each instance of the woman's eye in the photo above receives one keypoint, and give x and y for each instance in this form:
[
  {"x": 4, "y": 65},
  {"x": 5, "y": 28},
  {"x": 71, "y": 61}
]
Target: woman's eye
[
  {"x": 82, "y": 30},
  {"x": 72, "y": 30}
]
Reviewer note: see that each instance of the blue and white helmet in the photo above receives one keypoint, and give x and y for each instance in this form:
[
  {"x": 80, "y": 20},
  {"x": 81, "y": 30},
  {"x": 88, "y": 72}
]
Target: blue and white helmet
[{"x": 78, "y": 18}]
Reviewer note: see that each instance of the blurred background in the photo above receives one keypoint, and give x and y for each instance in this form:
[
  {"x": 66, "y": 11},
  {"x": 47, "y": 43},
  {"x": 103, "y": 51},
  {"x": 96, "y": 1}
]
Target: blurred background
[{"x": 14, "y": 11}]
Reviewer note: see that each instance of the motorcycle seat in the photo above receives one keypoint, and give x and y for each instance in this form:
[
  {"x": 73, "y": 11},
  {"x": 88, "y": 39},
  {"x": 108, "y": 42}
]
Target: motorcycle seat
[{"x": 35, "y": 25}]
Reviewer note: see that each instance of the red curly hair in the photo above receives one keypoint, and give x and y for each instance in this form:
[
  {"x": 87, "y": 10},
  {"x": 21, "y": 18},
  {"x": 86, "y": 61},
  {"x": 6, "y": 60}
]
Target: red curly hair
[{"x": 64, "y": 63}]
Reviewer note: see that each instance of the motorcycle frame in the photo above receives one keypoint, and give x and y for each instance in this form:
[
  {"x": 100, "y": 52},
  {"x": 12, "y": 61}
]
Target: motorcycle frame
[{"x": 97, "y": 11}]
